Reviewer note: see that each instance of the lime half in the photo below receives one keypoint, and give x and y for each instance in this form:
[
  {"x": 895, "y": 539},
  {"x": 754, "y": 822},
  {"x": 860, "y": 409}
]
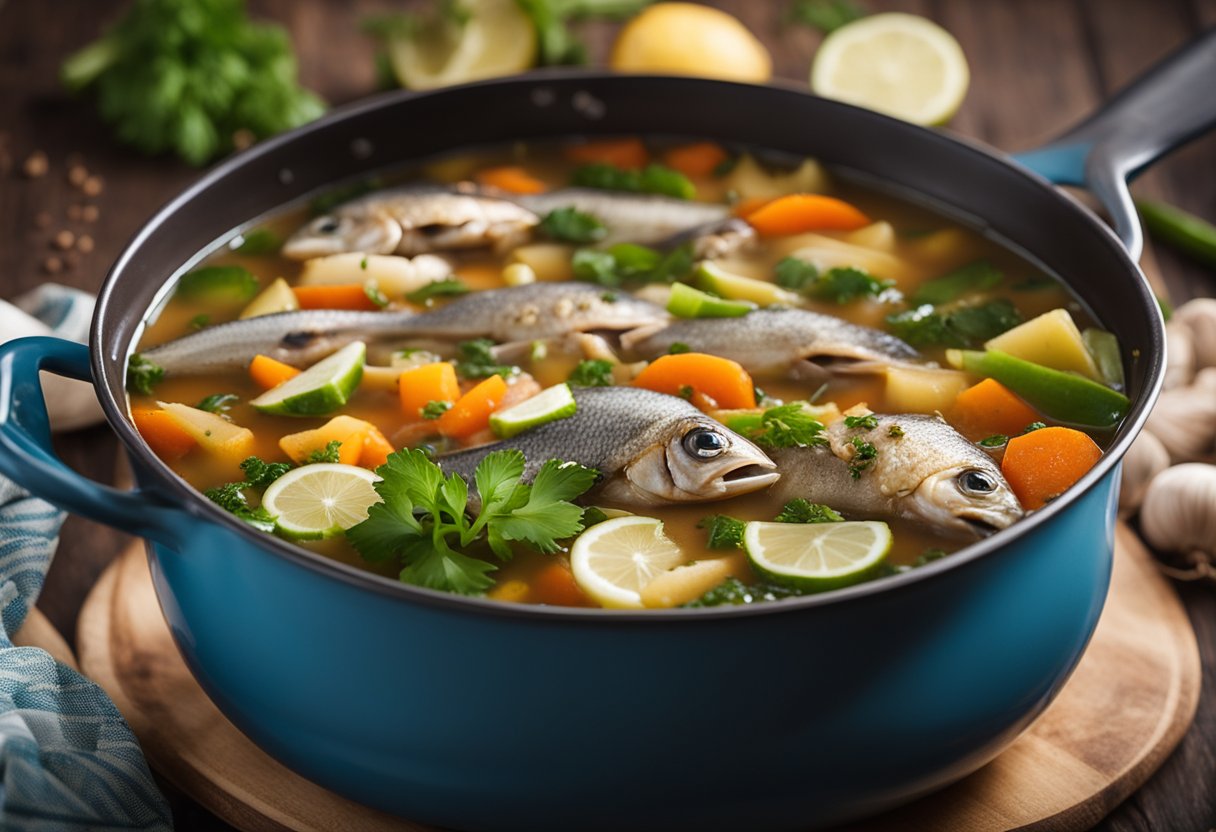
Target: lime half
[
  {"x": 320, "y": 500},
  {"x": 898, "y": 64},
  {"x": 496, "y": 38},
  {"x": 556, "y": 402},
  {"x": 321, "y": 389},
  {"x": 613, "y": 560},
  {"x": 817, "y": 556}
]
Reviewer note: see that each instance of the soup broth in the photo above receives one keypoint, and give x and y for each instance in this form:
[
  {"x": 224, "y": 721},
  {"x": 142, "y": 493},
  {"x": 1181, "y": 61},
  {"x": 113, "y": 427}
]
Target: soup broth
[{"x": 891, "y": 271}]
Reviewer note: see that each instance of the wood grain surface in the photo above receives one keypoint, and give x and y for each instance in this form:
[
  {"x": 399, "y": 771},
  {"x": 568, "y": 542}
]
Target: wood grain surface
[
  {"x": 1037, "y": 66},
  {"x": 1122, "y": 711}
]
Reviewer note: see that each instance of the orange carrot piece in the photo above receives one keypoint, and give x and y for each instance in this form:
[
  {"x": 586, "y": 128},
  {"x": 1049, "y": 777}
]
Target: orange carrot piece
[
  {"x": 797, "y": 213},
  {"x": 375, "y": 449},
  {"x": 691, "y": 373},
  {"x": 162, "y": 433},
  {"x": 624, "y": 153},
  {"x": 348, "y": 431},
  {"x": 1042, "y": 464},
  {"x": 428, "y": 383},
  {"x": 471, "y": 412},
  {"x": 695, "y": 160},
  {"x": 990, "y": 408},
  {"x": 267, "y": 373},
  {"x": 554, "y": 584},
  {"x": 512, "y": 178},
  {"x": 340, "y": 296},
  {"x": 746, "y": 207}
]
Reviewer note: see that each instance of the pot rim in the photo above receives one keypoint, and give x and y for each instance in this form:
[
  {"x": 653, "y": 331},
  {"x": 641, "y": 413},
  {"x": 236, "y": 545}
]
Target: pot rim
[{"x": 191, "y": 501}]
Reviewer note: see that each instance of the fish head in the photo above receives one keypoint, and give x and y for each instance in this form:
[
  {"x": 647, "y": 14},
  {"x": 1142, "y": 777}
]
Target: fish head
[
  {"x": 971, "y": 500},
  {"x": 341, "y": 232},
  {"x": 697, "y": 460}
]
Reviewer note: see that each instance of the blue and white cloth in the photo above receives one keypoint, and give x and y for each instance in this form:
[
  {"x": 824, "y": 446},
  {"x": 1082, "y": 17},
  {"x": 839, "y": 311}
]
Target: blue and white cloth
[{"x": 68, "y": 760}]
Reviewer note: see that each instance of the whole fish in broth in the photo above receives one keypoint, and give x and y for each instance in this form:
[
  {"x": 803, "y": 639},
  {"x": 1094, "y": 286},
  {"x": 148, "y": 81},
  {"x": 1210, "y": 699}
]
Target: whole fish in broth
[
  {"x": 650, "y": 449},
  {"x": 645, "y": 219},
  {"x": 921, "y": 469},
  {"x": 799, "y": 342},
  {"x": 518, "y": 313}
]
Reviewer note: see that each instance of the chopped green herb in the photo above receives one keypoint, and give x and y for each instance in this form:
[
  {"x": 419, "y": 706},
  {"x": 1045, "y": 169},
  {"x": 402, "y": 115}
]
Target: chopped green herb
[
  {"x": 477, "y": 360},
  {"x": 424, "y": 521},
  {"x": 593, "y": 515},
  {"x": 977, "y": 324},
  {"x": 929, "y": 555},
  {"x": 723, "y": 532},
  {"x": 997, "y": 440},
  {"x": 573, "y": 226},
  {"x": 610, "y": 297},
  {"x": 592, "y": 372},
  {"x": 895, "y": 432},
  {"x": 374, "y": 294},
  {"x": 434, "y": 409},
  {"x": 218, "y": 402},
  {"x": 925, "y": 326},
  {"x": 734, "y": 591},
  {"x": 802, "y": 511},
  {"x": 844, "y": 285},
  {"x": 448, "y": 287},
  {"x": 143, "y": 375},
  {"x": 630, "y": 263},
  {"x": 685, "y": 391},
  {"x": 653, "y": 179},
  {"x": 231, "y": 498},
  {"x": 863, "y": 456},
  {"x": 1033, "y": 426},
  {"x": 328, "y": 454},
  {"x": 259, "y": 242},
  {"x": 867, "y": 422},
  {"x": 973, "y": 277},
  {"x": 363, "y": 264},
  {"x": 260, "y": 474},
  {"x": 724, "y": 167},
  {"x": 825, "y": 15},
  {"x": 783, "y": 426},
  {"x": 200, "y": 321},
  {"x": 795, "y": 274},
  {"x": 557, "y": 46},
  {"x": 678, "y": 348}
]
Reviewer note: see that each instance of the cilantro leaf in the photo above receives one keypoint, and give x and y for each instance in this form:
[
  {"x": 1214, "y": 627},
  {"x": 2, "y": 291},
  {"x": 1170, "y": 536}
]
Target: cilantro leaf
[
  {"x": 783, "y": 426},
  {"x": 864, "y": 455},
  {"x": 218, "y": 402},
  {"x": 446, "y": 569},
  {"x": 734, "y": 591},
  {"x": 976, "y": 324},
  {"x": 997, "y": 440},
  {"x": 925, "y": 326},
  {"x": 573, "y": 226},
  {"x": 723, "y": 532},
  {"x": 448, "y": 287},
  {"x": 973, "y": 277},
  {"x": 801, "y": 511},
  {"x": 434, "y": 409},
  {"x": 795, "y": 274},
  {"x": 477, "y": 360},
  {"x": 652, "y": 179},
  {"x": 143, "y": 375},
  {"x": 867, "y": 422},
  {"x": 260, "y": 474},
  {"x": 631, "y": 263},
  {"x": 548, "y": 516},
  {"x": 592, "y": 373},
  {"x": 844, "y": 285}
]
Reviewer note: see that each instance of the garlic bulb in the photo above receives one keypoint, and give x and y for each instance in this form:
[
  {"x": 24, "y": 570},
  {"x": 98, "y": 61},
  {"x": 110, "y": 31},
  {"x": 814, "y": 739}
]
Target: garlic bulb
[
  {"x": 1185, "y": 420},
  {"x": 1199, "y": 316},
  {"x": 1179, "y": 355},
  {"x": 1179, "y": 515},
  {"x": 1146, "y": 459},
  {"x": 1206, "y": 380}
]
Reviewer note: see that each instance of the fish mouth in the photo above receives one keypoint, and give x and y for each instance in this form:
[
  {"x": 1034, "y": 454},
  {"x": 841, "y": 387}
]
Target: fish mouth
[
  {"x": 982, "y": 527},
  {"x": 747, "y": 478}
]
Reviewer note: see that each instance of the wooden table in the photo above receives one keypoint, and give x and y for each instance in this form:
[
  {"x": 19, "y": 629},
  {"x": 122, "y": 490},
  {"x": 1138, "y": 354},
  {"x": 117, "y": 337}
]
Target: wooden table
[{"x": 1037, "y": 66}]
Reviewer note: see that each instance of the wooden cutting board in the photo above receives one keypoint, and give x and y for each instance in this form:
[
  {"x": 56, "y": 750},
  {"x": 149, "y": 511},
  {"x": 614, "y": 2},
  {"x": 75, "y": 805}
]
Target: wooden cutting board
[{"x": 1122, "y": 712}]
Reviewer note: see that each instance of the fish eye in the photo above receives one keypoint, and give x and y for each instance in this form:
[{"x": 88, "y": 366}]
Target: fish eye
[
  {"x": 704, "y": 443},
  {"x": 976, "y": 483},
  {"x": 326, "y": 225}
]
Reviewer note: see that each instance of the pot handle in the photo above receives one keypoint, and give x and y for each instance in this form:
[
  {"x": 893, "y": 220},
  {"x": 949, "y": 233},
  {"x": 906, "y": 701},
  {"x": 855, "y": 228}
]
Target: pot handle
[
  {"x": 1169, "y": 105},
  {"x": 27, "y": 457}
]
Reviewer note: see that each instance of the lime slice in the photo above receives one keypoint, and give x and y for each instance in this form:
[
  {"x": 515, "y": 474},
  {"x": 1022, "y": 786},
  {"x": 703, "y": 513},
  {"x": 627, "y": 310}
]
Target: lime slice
[
  {"x": 713, "y": 278},
  {"x": 687, "y": 302},
  {"x": 898, "y": 64},
  {"x": 817, "y": 556},
  {"x": 556, "y": 402},
  {"x": 321, "y": 389},
  {"x": 496, "y": 38},
  {"x": 613, "y": 560},
  {"x": 320, "y": 500}
]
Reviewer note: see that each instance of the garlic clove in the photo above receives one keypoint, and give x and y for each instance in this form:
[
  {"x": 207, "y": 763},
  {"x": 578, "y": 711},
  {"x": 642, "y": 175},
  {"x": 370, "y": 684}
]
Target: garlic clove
[
  {"x": 1146, "y": 458},
  {"x": 1199, "y": 317},
  {"x": 1179, "y": 355},
  {"x": 1179, "y": 510},
  {"x": 1185, "y": 420}
]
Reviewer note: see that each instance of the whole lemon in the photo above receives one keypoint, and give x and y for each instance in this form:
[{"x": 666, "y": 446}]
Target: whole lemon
[{"x": 689, "y": 39}]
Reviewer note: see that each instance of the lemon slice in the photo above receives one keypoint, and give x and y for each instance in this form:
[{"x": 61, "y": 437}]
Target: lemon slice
[
  {"x": 817, "y": 556},
  {"x": 613, "y": 560},
  {"x": 898, "y": 64},
  {"x": 496, "y": 39},
  {"x": 320, "y": 500}
]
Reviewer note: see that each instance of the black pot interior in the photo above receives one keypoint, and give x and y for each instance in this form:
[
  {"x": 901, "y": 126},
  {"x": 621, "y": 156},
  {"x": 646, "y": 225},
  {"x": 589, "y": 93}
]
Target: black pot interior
[{"x": 969, "y": 183}]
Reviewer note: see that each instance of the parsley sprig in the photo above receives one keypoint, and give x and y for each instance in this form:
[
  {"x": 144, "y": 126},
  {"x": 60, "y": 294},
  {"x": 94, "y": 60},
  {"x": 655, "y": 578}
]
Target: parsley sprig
[
  {"x": 783, "y": 426},
  {"x": 425, "y": 523}
]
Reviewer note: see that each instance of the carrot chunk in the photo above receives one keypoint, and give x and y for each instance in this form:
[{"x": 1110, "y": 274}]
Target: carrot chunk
[
  {"x": 340, "y": 296},
  {"x": 797, "y": 213},
  {"x": 375, "y": 449},
  {"x": 554, "y": 584},
  {"x": 691, "y": 373},
  {"x": 428, "y": 383},
  {"x": 162, "y": 433},
  {"x": 624, "y": 153},
  {"x": 512, "y": 178},
  {"x": 348, "y": 431},
  {"x": 1042, "y": 464},
  {"x": 267, "y": 373},
  {"x": 471, "y": 412},
  {"x": 694, "y": 160},
  {"x": 990, "y": 408},
  {"x": 746, "y": 207}
]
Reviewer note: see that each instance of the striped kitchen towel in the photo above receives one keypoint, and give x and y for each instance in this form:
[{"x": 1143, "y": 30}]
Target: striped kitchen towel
[{"x": 68, "y": 760}]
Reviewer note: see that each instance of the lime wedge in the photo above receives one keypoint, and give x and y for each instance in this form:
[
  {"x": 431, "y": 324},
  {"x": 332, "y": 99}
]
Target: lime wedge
[
  {"x": 713, "y": 278},
  {"x": 556, "y": 402},
  {"x": 898, "y": 64},
  {"x": 320, "y": 500},
  {"x": 496, "y": 38},
  {"x": 321, "y": 389},
  {"x": 687, "y": 302},
  {"x": 817, "y": 556},
  {"x": 613, "y": 560}
]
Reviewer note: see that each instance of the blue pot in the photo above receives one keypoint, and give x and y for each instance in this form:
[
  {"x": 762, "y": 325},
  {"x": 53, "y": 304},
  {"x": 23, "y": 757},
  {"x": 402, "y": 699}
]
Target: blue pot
[{"x": 477, "y": 715}]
